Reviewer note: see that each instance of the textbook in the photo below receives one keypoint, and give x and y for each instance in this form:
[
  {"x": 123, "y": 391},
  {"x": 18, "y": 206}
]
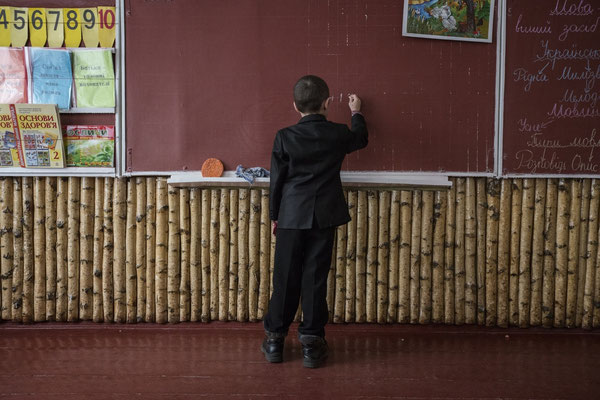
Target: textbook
[
  {"x": 38, "y": 135},
  {"x": 9, "y": 154},
  {"x": 52, "y": 77},
  {"x": 13, "y": 75},
  {"x": 94, "y": 78},
  {"x": 90, "y": 145}
]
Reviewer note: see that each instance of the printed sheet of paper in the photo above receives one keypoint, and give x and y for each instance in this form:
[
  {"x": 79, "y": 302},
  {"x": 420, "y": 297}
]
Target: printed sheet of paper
[
  {"x": 13, "y": 75},
  {"x": 94, "y": 78},
  {"x": 52, "y": 77}
]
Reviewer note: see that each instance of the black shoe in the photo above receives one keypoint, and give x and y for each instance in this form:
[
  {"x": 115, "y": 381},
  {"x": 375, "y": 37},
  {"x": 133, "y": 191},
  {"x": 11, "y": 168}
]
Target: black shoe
[
  {"x": 272, "y": 346},
  {"x": 314, "y": 350}
]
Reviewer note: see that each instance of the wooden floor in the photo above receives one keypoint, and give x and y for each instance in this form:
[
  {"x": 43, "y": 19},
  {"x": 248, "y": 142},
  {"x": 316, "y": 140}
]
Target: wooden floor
[{"x": 188, "y": 361}]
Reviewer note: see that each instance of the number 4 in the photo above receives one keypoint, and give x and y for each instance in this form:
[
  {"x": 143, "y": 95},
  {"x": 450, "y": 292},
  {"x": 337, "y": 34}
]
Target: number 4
[{"x": 3, "y": 20}]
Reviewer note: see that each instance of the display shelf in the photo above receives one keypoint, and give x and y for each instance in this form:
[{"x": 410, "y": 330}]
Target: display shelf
[
  {"x": 374, "y": 179},
  {"x": 69, "y": 171},
  {"x": 90, "y": 110}
]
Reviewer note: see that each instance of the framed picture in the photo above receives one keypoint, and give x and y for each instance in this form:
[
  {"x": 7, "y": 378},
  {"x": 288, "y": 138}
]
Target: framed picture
[{"x": 470, "y": 20}]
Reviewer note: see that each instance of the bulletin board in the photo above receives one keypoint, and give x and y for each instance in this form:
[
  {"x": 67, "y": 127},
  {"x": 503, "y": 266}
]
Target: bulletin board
[{"x": 214, "y": 79}]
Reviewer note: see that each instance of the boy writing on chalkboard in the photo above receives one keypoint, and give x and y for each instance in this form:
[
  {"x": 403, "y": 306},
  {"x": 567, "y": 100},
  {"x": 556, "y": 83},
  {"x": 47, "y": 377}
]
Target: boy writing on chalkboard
[{"x": 307, "y": 204}]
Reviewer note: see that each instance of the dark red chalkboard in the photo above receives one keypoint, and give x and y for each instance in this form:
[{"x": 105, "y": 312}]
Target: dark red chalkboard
[
  {"x": 552, "y": 90},
  {"x": 214, "y": 79}
]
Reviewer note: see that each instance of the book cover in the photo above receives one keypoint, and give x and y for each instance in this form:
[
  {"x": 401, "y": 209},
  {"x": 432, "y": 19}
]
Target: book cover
[
  {"x": 9, "y": 154},
  {"x": 90, "y": 145},
  {"x": 94, "y": 78},
  {"x": 13, "y": 75},
  {"x": 52, "y": 78},
  {"x": 38, "y": 129}
]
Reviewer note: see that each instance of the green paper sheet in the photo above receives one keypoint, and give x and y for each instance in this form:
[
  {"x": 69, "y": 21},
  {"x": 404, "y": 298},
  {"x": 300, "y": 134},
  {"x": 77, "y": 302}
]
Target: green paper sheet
[{"x": 94, "y": 78}]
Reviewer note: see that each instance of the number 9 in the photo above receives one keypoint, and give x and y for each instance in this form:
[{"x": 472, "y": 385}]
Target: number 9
[{"x": 90, "y": 18}]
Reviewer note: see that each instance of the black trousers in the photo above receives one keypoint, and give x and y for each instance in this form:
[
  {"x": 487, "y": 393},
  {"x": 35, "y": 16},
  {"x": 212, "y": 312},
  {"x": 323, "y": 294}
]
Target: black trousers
[{"x": 302, "y": 262}]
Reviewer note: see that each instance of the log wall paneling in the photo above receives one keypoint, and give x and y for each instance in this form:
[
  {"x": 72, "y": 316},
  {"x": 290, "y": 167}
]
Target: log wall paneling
[
  {"x": 39, "y": 253},
  {"x": 504, "y": 253},
  {"x": 140, "y": 248},
  {"x": 195, "y": 261},
  {"x": 449, "y": 260},
  {"x": 460, "y": 262},
  {"x": 6, "y": 245},
  {"x": 394, "y": 264},
  {"x": 18, "y": 257},
  {"x": 350, "y": 306},
  {"x": 86, "y": 248},
  {"x": 591, "y": 259},
  {"x": 233, "y": 254},
  {"x": 28, "y": 271},
  {"x": 108, "y": 296},
  {"x": 97, "y": 251},
  {"x": 475, "y": 278},
  {"x": 51, "y": 260},
  {"x": 511, "y": 252}
]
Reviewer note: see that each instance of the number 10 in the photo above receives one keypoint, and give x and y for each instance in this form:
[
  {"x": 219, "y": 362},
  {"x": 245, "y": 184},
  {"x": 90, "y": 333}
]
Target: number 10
[{"x": 107, "y": 19}]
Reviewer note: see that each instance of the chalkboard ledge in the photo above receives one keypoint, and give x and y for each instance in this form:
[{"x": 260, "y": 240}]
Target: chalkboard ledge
[{"x": 359, "y": 179}]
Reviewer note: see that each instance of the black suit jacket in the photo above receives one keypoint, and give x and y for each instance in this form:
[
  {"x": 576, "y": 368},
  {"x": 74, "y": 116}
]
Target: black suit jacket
[{"x": 305, "y": 171}]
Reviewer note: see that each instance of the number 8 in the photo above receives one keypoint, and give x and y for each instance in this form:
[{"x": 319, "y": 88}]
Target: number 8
[{"x": 72, "y": 18}]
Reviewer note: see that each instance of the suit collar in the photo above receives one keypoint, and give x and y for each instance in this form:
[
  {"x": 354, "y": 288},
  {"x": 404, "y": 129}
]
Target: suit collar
[{"x": 312, "y": 117}]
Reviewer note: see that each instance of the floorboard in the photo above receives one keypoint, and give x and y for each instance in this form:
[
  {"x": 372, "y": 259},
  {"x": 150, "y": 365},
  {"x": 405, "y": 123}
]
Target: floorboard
[{"x": 223, "y": 360}]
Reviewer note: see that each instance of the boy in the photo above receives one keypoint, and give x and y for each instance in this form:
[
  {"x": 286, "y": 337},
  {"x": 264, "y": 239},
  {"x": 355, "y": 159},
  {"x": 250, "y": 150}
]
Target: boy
[{"x": 307, "y": 204}]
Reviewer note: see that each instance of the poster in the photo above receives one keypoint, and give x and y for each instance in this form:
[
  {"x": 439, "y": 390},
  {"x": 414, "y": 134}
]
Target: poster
[
  {"x": 468, "y": 20},
  {"x": 51, "y": 77},
  {"x": 94, "y": 78},
  {"x": 13, "y": 75},
  {"x": 90, "y": 145}
]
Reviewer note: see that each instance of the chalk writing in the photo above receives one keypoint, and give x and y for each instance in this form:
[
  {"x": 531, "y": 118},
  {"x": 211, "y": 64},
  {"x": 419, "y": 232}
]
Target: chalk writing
[
  {"x": 523, "y": 75},
  {"x": 552, "y": 106},
  {"x": 541, "y": 29},
  {"x": 578, "y": 28}
]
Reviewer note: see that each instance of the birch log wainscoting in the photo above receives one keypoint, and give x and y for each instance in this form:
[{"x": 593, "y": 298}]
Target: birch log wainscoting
[{"x": 512, "y": 252}]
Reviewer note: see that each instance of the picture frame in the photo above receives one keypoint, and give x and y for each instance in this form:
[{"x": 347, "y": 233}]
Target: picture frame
[{"x": 464, "y": 20}]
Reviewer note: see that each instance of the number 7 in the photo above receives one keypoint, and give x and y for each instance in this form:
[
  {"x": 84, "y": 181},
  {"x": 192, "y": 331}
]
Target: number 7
[{"x": 57, "y": 13}]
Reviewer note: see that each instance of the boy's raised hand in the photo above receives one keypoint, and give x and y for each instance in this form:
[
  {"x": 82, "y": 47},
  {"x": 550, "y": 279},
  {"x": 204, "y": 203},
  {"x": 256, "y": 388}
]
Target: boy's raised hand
[{"x": 354, "y": 102}]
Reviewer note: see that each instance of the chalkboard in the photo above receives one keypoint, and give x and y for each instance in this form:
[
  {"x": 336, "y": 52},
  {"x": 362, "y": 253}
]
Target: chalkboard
[
  {"x": 552, "y": 90},
  {"x": 214, "y": 79}
]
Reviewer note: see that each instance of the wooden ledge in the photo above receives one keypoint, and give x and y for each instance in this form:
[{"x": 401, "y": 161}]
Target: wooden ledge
[{"x": 371, "y": 180}]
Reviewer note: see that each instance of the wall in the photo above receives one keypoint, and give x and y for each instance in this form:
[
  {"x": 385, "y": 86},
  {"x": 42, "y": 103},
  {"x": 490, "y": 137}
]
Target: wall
[{"x": 519, "y": 252}]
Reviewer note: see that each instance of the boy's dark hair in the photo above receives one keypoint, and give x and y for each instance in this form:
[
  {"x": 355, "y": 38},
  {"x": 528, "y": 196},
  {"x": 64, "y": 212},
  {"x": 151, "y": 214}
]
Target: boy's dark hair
[{"x": 309, "y": 93}]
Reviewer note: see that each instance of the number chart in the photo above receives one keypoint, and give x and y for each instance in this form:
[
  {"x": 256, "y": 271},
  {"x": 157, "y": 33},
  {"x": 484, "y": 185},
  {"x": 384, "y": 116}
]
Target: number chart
[{"x": 57, "y": 27}]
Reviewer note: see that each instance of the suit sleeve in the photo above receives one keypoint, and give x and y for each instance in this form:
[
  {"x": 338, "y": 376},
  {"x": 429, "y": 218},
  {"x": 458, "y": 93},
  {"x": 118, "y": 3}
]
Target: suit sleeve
[
  {"x": 279, "y": 168},
  {"x": 358, "y": 136}
]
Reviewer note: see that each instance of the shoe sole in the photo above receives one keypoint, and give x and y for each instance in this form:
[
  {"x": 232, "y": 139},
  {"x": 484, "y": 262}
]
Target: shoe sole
[
  {"x": 314, "y": 363},
  {"x": 273, "y": 358}
]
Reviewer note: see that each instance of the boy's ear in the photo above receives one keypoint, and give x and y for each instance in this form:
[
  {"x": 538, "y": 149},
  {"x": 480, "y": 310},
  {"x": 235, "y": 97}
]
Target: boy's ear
[
  {"x": 295, "y": 107},
  {"x": 326, "y": 103}
]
